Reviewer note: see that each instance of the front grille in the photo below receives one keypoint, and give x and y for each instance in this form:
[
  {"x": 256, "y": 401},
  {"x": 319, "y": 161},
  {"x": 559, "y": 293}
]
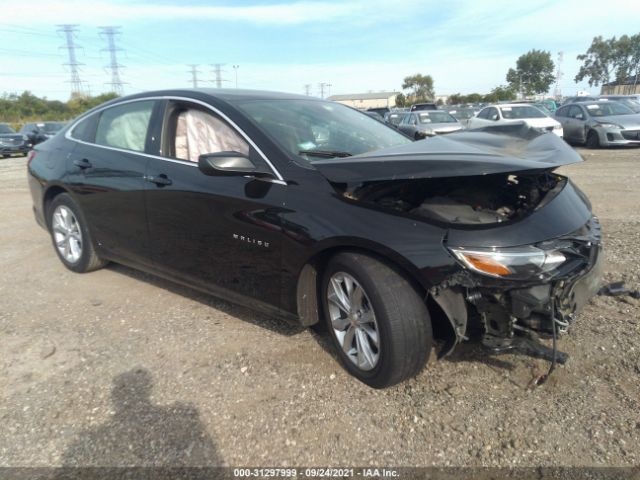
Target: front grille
[{"x": 631, "y": 134}]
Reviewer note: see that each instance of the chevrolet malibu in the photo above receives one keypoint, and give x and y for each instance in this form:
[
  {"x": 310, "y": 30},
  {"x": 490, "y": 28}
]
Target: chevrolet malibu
[{"x": 314, "y": 212}]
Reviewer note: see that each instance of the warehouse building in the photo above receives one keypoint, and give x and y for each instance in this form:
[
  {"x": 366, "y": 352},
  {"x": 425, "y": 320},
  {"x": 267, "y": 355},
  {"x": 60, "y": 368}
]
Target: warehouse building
[
  {"x": 365, "y": 101},
  {"x": 630, "y": 86}
]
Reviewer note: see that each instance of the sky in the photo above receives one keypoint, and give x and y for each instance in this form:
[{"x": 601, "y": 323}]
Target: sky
[{"x": 354, "y": 45}]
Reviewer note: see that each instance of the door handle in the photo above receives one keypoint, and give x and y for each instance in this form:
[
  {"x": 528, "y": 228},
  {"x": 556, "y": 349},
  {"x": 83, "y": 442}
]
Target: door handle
[
  {"x": 83, "y": 163},
  {"x": 160, "y": 180}
]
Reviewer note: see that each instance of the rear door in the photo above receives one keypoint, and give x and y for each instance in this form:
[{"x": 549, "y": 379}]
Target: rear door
[
  {"x": 221, "y": 233},
  {"x": 107, "y": 168}
]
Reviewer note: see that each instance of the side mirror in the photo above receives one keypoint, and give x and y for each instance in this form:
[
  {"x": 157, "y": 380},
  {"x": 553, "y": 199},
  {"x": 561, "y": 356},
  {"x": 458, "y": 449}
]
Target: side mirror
[{"x": 228, "y": 164}]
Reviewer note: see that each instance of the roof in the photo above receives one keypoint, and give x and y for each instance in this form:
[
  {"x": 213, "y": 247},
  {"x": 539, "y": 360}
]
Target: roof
[
  {"x": 632, "y": 80},
  {"x": 227, "y": 94},
  {"x": 364, "y": 96}
]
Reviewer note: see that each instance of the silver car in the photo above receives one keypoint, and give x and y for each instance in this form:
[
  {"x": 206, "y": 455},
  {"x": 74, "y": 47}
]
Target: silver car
[
  {"x": 600, "y": 123},
  {"x": 428, "y": 123}
]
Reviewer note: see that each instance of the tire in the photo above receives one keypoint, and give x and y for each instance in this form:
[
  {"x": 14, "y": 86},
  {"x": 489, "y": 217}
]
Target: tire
[
  {"x": 417, "y": 136},
  {"x": 70, "y": 236},
  {"x": 593, "y": 140},
  {"x": 387, "y": 305}
]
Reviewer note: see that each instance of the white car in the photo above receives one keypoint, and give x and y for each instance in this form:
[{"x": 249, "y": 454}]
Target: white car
[{"x": 504, "y": 114}]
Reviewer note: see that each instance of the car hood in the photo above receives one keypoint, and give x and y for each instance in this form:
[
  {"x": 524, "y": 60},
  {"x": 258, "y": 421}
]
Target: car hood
[
  {"x": 499, "y": 149},
  {"x": 626, "y": 121}
]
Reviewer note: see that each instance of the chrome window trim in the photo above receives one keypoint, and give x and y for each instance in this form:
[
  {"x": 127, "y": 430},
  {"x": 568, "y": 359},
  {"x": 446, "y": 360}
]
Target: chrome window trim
[{"x": 279, "y": 178}]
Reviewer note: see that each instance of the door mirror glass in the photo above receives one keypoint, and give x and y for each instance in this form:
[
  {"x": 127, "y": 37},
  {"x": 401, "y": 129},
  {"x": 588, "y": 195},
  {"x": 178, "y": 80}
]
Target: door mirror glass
[{"x": 228, "y": 164}]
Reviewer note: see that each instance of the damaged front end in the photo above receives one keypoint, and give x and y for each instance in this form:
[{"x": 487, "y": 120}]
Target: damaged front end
[{"x": 526, "y": 248}]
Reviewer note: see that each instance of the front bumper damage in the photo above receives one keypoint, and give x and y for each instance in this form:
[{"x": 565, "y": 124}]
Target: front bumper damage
[{"x": 513, "y": 316}]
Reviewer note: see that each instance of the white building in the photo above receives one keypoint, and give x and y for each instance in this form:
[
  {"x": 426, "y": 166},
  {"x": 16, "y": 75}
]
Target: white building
[{"x": 367, "y": 100}]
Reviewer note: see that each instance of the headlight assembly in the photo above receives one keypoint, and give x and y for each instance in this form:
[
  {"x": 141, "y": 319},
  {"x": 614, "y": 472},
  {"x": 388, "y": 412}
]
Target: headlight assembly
[
  {"x": 518, "y": 263},
  {"x": 609, "y": 125}
]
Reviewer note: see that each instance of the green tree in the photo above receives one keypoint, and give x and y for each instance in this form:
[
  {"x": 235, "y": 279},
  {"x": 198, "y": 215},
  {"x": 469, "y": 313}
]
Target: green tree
[
  {"x": 420, "y": 86},
  {"x": 598, "y": 63},
  {"x": 534, "y": 73},
  {"x": 401, "y": 100},
  {"x": 500, "y": 93},
  {"x": 627, "y": 58}
]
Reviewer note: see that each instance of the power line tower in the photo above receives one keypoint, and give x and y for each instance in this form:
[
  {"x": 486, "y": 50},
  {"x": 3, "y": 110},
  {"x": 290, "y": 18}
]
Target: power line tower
[
  {"x": 110, "y": 34},
  {"x": 69, "y": 33},
  {"x": 194, "y": 74},
  {"x": 324, "y": 86},
  {"x": 307, "y": 89},
  {"x": 557, "y": 91},
  {"x": 217, "y": 71}
]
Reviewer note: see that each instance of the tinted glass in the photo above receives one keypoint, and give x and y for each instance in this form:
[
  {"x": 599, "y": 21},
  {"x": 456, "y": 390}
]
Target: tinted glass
[
  {"x": 85, "y": 130},
  {"x": 436, "y": 116},
  {"x": 524, "y": 111},
  {"x": 125, "y": 126},
  {"x": 4, "y": 128},
  {"x": 299, "y": 125},
  {"x": 607, "y": 108},
  {"x": 562, "y": 112}
]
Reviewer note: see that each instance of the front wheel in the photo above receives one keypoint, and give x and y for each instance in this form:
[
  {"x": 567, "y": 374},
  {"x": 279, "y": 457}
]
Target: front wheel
[
  {"x": 593, "y": 140},
  {"x": 70, "y": 236},
  {"x": 379, "y": 324}
]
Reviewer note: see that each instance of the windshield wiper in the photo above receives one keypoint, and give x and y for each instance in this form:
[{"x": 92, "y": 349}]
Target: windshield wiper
[{"x": 324, "y": 153}]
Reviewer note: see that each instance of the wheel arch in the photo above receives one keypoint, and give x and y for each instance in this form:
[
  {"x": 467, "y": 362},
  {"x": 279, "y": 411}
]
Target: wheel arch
[
  {"x": 308, "y": 288},
  {"x": 50, "y": 193}
]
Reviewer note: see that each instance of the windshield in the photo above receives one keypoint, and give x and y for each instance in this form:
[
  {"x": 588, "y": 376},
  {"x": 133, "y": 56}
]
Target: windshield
[
  {"x": 6, "y": 128},
  {"x": 436, "y": 117},
  {"x": 523, "y": 111},
  {"x": 327, "y": 128},
  {"x": 605, "y": 109}
]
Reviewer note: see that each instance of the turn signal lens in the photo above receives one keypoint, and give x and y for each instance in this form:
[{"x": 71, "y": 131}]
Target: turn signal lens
[{"x": 487, "y": 265}]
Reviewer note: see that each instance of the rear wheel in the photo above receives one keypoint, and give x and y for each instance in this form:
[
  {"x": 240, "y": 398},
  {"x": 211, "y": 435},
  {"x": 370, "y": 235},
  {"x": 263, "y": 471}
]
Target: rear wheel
[
  {"x": 379, "y": 324},
  {"x": 593, "y": 140},
  {"x": 70, "y": 236}
]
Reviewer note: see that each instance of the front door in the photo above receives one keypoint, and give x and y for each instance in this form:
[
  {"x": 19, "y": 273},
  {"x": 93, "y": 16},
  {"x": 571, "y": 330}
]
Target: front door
[{"x": 219, "y": 233}]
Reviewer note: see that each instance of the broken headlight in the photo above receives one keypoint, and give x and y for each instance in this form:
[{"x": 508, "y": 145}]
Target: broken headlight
[{"x": 518, "y": 263}]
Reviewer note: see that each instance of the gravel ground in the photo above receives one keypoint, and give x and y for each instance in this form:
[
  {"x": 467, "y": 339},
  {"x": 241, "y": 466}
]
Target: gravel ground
[{"x": 118, "y": 367}]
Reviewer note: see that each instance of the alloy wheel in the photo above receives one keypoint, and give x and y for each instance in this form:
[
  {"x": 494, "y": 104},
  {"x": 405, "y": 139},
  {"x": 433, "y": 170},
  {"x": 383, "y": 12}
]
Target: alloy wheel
[
  {"x": 67, "y": 234},
  {"x": 353, "y": 321}
]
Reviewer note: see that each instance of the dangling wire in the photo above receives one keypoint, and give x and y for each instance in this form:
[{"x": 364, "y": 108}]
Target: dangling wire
[{"x": 545, "y": 377}]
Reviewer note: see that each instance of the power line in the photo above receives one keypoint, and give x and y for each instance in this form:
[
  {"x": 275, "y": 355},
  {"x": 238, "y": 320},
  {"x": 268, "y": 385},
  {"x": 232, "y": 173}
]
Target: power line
[
  {"x": 217, "y": 71},
  {"x": 110, "y": 33},
  {"x": 73, "y": 64},
  {"x": 324, "y": 86},
  {"x": 194, "y": 74}
]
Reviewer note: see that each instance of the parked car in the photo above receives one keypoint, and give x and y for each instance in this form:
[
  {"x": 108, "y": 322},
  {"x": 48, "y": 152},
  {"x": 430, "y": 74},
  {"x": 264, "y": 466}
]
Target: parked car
[
  {"x": 627, "y": 100},
  {"x": 311, "y": 211},
  {"x": 393, "y": 119},
  {"x": 41, "y": 131},
  {"x": 579, "y": 98},
  {"x": 428, "y": 123},
  {"x": 380, "y": 111},
  {"x": 462, "y": 114},
  {"x": 11, "y": 142},
  {"x": 423, "y": 106},
  {"x": 601, "y": 123},
  {"x": 507, "y": 113}
]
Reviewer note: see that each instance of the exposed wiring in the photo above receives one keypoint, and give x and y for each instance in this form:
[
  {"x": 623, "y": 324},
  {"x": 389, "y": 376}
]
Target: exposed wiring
[{"x": 545, "y": 377}]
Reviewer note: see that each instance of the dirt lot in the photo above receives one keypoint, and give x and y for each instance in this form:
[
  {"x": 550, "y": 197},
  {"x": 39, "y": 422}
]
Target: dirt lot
[{"x": 117, "y": 367}]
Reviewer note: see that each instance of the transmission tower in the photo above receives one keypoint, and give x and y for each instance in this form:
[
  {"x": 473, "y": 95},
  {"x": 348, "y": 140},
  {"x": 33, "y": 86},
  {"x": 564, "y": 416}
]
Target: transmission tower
[
  {"x": 217, "y": 71},
  {"x": 110, "y": 34},
  {"x": 194, "y": 74},
  {"x": 323, "y": 86},
  {"x": 557, "y": 91},
  {"x": 73, "y": 64},
  {"x": 307, "y": 89}
]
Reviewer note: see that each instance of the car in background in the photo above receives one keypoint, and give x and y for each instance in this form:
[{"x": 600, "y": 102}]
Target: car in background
[
  {"x": 313, "y": 212},
  {"x": 13, "y": 143},
  {"x": 600, "y": 123},
  {"x": 40, "y": 131},
  {"x": 423, "y": 106},
  {"x": 630, "y": 101},
  {"x": 424, "y": 124},
  {"x": 509, "y": 113},
  {"x": 381, "y": 111},
  {"x": 462, "y": 114},
  {"x": 393, "y": 119},
  {"x": 579, "y": 98}
]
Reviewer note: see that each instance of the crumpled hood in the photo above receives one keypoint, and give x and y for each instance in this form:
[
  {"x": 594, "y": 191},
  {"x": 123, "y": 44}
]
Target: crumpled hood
[{"x": 501, "y": 149}]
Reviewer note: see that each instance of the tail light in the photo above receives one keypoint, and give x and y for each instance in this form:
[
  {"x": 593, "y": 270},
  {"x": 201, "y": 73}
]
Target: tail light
[{"x": 30, "y": 156}]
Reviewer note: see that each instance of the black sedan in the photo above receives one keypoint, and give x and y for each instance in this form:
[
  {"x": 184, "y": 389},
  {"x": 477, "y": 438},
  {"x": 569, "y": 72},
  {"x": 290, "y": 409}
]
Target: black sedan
[
  {"x": 12, "y": 143},
  {"x": 315, "y": 212}
]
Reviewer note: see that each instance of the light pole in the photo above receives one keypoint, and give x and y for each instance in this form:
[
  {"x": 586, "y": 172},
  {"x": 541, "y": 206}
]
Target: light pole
[{"x": 235, "y": 69}]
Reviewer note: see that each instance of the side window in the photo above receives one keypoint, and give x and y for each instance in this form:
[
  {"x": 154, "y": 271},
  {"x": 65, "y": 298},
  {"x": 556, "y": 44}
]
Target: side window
[
  {"x": 575, "y": 111},
  {"x": 125, "y": 126},
  {"x": 484, "y": 113},
  {"x": 412, "y": 120},
  {"x": 85, "y": 130},
  {"x": 492, "y": 114},
  {"x": 191, "y": 131},
  {"x": 562, "y": 112}
]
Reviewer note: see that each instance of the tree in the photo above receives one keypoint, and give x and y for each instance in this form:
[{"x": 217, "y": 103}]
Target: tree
[
  {"x": 401, "y": 100},
  {"x": 420, "y": 86},
  {"x": 599, "y": 62},
  {"x": 500, "y": 93},
  {"x": 534, "y": 73},
  {"x": 627, "y": 59}
]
